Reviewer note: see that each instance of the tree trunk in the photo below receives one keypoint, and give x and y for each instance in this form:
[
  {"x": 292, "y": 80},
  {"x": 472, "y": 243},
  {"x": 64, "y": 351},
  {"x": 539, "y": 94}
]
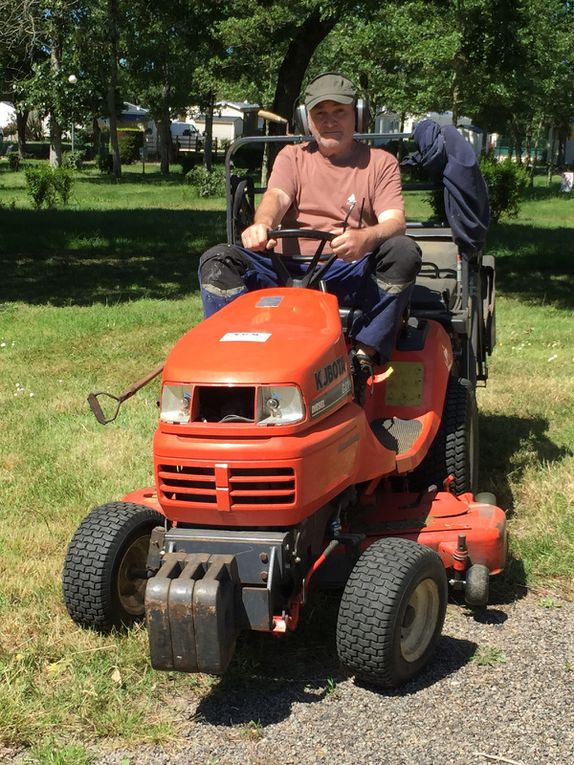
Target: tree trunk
[
  {"x": 115, "y": 144},
  {"x": 459, "y": 62},
  {"x": 164, "y": 139},
  {"x": 55, "y": 142},
  {"x": 113, "y": 19},
  {"x": 96, "y": 136},
  {"x": 551, "y": 142},
  {"x": 293, "y": 67},
  {"x": 484, "y": 142},
  {"x": 517, "y": 141},
  {"x": 208, "y": 138},
  {"x": 55, "y": 126},
  {"x": 21, "y": 120},
  {"x": 456, "y": 97}
]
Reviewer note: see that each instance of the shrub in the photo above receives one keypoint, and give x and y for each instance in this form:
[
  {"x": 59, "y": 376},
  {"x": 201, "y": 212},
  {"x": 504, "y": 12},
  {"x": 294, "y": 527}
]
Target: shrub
[
  {"x": 189, "y": 161},
  {"x": 13, "y": 160},
  {"x": 45, "y": 184},
  {"x": 63, "y": 180},
  {"x": 208, "y": 183},
  {"x": 73, "y": 160},
  {"x": 507, "y": 181},
  {"x": 105, "y": 163},
  {"x": 130, "y": 142},
  {"x": 40, "y": 185},
  {"x": 38, "y": 149}
]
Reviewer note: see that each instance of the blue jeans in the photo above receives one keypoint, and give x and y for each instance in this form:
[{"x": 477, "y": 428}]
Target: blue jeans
[{"x": 380, "y": 284}]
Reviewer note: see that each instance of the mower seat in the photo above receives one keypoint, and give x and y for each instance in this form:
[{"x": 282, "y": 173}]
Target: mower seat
[{"x": 436, "y": 287}]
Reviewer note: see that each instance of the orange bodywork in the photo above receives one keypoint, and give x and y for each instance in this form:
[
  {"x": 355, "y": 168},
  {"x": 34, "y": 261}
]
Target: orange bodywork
[{"x": 240, "y": 474}]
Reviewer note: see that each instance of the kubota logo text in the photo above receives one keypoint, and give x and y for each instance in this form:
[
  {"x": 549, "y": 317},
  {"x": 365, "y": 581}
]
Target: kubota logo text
[{"x": 329, "y": 373}]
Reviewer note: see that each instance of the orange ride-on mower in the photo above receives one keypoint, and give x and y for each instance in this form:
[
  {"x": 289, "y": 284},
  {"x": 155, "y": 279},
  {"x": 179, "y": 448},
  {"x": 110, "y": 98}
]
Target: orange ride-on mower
[{"x": 272, "y": 480}]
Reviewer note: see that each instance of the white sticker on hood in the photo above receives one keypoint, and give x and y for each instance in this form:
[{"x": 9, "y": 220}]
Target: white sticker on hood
[{"x": 245, "y": 337}]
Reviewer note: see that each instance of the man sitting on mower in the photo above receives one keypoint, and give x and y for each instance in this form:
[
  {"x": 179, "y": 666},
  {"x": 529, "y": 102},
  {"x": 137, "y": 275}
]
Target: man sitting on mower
[{"x": 339, "y": 185}]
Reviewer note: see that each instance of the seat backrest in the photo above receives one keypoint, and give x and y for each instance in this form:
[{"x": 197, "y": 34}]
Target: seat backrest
[
  {"x": 242, "y": 205},
  {"x": 436, "y": 287}
]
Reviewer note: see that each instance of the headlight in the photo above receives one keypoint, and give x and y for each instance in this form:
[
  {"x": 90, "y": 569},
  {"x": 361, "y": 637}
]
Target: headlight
[
  {"x": 176, "y": 403},
  {"x": 279, "y": 405}
]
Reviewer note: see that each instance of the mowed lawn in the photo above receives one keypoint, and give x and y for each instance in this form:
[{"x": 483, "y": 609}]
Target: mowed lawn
[{"x": 93, "y": 296}]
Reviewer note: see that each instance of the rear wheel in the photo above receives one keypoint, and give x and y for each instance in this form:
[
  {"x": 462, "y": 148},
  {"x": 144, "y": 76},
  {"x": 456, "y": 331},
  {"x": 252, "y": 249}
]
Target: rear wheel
[
  {"x": 454, "y": 450},
  {"x": 392, "y": 611},
  {"x": 105, "y": 575}
]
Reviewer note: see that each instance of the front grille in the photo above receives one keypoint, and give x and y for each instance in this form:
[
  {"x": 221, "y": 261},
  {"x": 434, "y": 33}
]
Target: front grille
[
  {"x": 262, "y": 486},
  {"x": 238, "y": 487},
  {"x": 188, "y": 484}
]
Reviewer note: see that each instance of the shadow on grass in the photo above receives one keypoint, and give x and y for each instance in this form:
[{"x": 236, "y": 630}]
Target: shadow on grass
[
  {"x": 514, "y": 436},
  {"x": 137, "y": 178},
  {"x": 538, "y": 193},
  {"x": 268, "y": 675},
  {"x": 86, "y": 256},
  {"x": 67, "y": 257},
  {"x": 534, "y": 264}
]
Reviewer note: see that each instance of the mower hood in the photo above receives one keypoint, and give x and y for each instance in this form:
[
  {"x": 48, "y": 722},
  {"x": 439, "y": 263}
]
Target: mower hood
[{"x": 278, "y": 336}]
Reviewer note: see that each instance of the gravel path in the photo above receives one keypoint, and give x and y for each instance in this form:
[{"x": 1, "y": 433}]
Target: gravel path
[{"x": 501, "y": 690}]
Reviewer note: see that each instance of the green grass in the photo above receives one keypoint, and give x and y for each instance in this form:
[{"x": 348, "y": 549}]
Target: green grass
[
  {"x": 138, "y": 238},
  {"x": 92, "y": 297}
]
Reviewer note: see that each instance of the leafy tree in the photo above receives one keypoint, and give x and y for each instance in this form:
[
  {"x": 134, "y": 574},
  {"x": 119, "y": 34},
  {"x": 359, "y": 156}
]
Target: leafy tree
[
  {"x": 505, "y": 63},
  {"x": 164, "y": 45},
  {"x": 53, "y": 42},
  {"x": 271, "y": 45},
  {"x": 400, "y": 54}
]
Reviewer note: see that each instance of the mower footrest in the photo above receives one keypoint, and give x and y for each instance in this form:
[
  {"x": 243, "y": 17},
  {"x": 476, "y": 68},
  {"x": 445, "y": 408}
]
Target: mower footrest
[{"x": 190, "y": 611}]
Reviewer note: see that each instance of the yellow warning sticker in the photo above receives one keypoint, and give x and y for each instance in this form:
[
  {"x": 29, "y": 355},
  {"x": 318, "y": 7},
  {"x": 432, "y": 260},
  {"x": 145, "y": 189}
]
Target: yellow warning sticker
[{"x": 404, "y": 387}]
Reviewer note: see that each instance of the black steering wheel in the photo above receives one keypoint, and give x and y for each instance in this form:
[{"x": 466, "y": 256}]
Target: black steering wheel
[{"x": 316, "y": 270}]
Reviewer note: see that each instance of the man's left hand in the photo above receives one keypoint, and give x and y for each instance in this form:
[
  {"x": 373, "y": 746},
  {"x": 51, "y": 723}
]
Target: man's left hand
[{"x": 352, "y": 243}]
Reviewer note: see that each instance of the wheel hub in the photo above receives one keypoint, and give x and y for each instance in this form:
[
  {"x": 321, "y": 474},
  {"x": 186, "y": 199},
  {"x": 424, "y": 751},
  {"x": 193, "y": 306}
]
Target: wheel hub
[
  {"x": 131, "y": 584},
  {"x": 419, "y": 620}
]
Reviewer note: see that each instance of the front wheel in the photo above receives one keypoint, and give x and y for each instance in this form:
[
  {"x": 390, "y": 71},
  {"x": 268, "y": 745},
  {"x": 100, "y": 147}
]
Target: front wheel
[
  {"x": 105, "y": 575},
  {"x": 392, "y": 612}
]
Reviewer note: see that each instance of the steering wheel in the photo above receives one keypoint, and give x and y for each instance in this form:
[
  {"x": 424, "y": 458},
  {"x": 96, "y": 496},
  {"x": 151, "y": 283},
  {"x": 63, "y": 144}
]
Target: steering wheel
[{"x": 316, "y": 270}]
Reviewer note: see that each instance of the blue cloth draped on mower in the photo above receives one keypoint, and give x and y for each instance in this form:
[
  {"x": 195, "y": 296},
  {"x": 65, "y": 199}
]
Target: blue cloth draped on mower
[{"x": 450, "y": 160}]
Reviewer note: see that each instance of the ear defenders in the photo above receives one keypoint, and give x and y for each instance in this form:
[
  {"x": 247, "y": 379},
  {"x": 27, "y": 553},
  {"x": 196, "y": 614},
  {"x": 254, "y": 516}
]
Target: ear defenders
[{"x": 362, "y": 115}]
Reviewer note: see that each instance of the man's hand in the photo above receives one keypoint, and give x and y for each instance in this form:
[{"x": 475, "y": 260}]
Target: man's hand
[
  {"x": 353, "y": 243},
  {"x": 256, "y": 237},
  {"x": 269, "y": 214}
]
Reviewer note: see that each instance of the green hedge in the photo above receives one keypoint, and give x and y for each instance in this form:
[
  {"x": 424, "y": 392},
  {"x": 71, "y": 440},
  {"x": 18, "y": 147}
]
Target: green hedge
[
  {"x": 130, "y": 143},
  {"x": 507, "y": 182}
]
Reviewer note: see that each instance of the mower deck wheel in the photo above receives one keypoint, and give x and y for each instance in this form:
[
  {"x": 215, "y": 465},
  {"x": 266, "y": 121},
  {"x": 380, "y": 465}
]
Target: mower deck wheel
[
  {"x": 486, "y": 497},
  {"x": 105, "y": 576},
  {"x": 392, "y": 611},
  {"x": 477, "y": 585}
]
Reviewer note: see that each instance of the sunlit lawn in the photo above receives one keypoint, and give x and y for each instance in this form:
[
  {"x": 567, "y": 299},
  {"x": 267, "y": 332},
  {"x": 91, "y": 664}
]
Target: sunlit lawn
[{"x": 92, "y": 297}]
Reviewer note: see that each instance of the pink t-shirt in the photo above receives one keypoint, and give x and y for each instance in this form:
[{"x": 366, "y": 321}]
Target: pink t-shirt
[{"x": 322, "y": 190}]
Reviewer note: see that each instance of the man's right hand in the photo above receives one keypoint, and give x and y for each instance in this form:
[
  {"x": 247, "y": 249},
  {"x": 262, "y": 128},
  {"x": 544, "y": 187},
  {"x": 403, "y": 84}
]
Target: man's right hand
[{"x": 256, "y": 237}]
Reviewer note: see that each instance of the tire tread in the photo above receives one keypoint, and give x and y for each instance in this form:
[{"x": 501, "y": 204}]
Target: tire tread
[
  {"x": 91, "y": 559},
  {"x": 368, "y": 608}
]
